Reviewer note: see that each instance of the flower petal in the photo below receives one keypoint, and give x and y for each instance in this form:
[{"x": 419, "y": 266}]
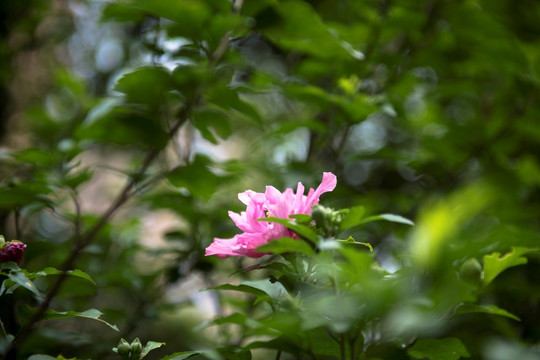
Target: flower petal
[{"x": 329, "y": 182}]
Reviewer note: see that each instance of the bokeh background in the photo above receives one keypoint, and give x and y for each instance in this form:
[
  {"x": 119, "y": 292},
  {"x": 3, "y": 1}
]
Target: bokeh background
[{"x": 427, "y": 109}]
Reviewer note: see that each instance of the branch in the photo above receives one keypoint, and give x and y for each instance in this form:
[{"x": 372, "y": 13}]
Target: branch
[{"x": 89, "y": 236}]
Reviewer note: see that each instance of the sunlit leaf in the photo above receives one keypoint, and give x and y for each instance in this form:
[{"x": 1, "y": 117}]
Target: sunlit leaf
[
  {"x": 494, "y": 263},
  {"x": 350, "y": 240},
  {"x": 388, "y": 217},
  {"x": 151, "y": 345}
]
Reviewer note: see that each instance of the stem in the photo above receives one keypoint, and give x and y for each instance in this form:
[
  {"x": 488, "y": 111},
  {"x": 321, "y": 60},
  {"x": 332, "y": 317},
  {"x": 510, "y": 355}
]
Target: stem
[
  {"x": 278, "y": 355},
  {"x": 3, "y": 328},
  {"x": 342, "y": 349},
  {"x": 77, "y": 205},
  {"x": 225, "y": 40}
]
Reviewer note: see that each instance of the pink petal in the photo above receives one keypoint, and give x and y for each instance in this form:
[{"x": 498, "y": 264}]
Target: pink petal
[
  {"x": 299, "y": 199},
  {"x": 273, "y": 196},
  {"x": 329, "y": 182},
  {"x": 223, "y": 248}
]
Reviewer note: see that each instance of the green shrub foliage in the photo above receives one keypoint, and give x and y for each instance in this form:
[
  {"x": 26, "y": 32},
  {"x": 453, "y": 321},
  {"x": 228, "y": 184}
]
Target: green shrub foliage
[{"x": 128, "y": 127}]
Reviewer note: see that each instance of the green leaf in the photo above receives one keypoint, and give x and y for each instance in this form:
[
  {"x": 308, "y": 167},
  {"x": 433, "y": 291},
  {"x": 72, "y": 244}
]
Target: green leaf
[
  {"x": 494, "y": 264},
  {"x": 388, "y": 217},
  {"x": 146, "y": 85},
  {"x": 181, "y": 355},
  {"x": 209, "y": 354},
  {"x": 121, "y": 12},
  {"x": 302, "y": 218},
  {"x": 228, "y": 99},
  {"x": 47, "y": 357},
  {"x": 236, "y": 318},
  {"x": 124, "y": 125},
  {"x": 9, "y": 265},
  {"x": 350, "y": 240},
  {"x": 22, "y": 280},
  {"x": 300, "y": 28},
  {"x": 488, "y": 309},
  {"x": 438, "y": 349},
  {"x": 301, "y": 230},
  {"x": 24, "y": 193},
  {"x": 209, "y": 120},
  {"x": 189, "y": 18},
  {"x": 273, "y": 289},
  {"x": 285, "y": 245},
  {"x": 352, "y": 218},
  {"x": 151, "y": 345},
  {"x": 241, "y": 288},
  {"x": 264, "y": 290},
  {"x": 188, "y": 79},
  {"x": 197, "y": 177},
  {"x": 52, "y": 271},
  {"x": 94, "y": 314}
]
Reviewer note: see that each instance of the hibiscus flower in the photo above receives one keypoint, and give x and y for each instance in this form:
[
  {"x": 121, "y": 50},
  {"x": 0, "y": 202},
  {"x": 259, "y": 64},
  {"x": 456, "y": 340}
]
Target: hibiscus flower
[{"x": 271, "y": 203}]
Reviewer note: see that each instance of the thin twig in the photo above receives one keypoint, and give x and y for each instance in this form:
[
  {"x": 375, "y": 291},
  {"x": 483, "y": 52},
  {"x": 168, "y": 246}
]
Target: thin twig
[
  {"x": 225, "y": 40},
  {"x": 3, "y": 328},
  {"x": 342, "y": 349},
  {"x": 77, "y": 205}
]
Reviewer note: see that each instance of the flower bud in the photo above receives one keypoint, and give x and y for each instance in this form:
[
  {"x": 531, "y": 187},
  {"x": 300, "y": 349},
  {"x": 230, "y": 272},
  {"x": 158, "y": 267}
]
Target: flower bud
[
  {"x": 12, "y": 251},
  {"x": 326, "y": 218},
  {"x": 123, "y": 349},
  {"x": 471, "y": 271},
  {"x": 318, "y": 214},
  {"x": 136, "y": 349}
]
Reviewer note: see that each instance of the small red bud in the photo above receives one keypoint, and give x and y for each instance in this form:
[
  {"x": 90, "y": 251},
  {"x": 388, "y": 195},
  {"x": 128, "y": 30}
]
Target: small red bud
[{"x": 12, "y": 251}]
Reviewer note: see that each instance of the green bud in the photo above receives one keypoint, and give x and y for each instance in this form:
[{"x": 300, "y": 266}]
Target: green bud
[
  {"x": 123, "y": 348},
  {"x": 2, "y": 241},
  {"x": 318, "y": 214},
  {"x": 136, "y": 349},
  {"x": 471, "y": 271},
  {"x": 327, "y": 219}
]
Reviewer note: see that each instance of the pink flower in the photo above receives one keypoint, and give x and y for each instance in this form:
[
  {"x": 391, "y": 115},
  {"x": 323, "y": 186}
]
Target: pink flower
[
  {"x": 12, "y": 251},
  {"x": 270, "y": 204}
]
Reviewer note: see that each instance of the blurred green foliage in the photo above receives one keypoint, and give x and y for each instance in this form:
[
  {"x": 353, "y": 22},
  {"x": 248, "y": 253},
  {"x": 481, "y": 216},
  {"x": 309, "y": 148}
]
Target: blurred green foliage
[{"x": 119, "y": 113}]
